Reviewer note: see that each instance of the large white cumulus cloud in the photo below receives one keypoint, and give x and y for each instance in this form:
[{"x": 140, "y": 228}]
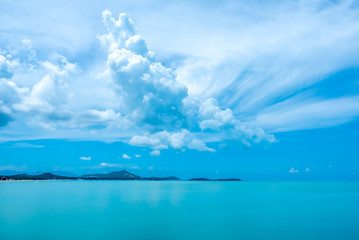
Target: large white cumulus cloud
[
  {"x": 150, "y": 89},
  {"x": 6, "y": 67},
  {"x": 152, "y": 95},
  {"x": 136, "y": 98},
  {"x": 49, "y": 94},
  {"x": 156, "y": 100},
  {"x": 9, "y": 92}
]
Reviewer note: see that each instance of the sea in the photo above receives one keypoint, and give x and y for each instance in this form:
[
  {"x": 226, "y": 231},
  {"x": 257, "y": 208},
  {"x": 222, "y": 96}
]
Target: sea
[{"x": 179, "y": 210}]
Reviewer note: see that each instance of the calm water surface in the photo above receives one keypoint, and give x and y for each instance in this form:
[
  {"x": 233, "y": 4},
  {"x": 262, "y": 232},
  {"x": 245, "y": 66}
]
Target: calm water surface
[{"x": 178, "y": 210}]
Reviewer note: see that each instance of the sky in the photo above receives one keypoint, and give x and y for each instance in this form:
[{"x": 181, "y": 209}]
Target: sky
[{"x": 249, "y": 89}]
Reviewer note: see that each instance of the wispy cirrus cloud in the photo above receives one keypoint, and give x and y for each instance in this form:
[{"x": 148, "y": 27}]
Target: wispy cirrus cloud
[
  {"x": 309, "y": 114},
  {"x": 272, "y": 56}
]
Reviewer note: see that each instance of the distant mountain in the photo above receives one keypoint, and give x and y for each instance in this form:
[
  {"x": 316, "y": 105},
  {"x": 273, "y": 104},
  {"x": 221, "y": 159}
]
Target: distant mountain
[
  {"x": 65, "y": 174},
  {"x": 43, "y": 176},
  {"x": 124, "y": 175},
  {"x": 49, "y": 176},
  {"x": 218, "y": 180},
  {"x": 120, "y": 175}
]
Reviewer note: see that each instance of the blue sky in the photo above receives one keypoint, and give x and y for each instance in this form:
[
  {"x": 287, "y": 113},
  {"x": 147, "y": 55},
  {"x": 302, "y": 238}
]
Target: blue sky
[{"x": 249, "y": 89}]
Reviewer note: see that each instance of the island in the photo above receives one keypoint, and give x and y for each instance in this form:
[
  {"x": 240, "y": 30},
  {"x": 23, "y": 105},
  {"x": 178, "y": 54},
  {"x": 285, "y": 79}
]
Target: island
[{"x": 220, "y": 179}]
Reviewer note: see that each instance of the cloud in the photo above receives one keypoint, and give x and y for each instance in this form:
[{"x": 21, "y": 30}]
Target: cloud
[
  {"x": 153, "y": 96},
  {"x": 292, "y": 170},
  {"x": 287, "y": 48},
  {"x": 85, "y": 158},
  {"x": 137, "y": 155},
  {"x": 164, "y": 140},
  {"x": 155, "y": 153},
  {"x": 223, "y": 121},
  {"x": 307, "y": 169},
  {"x": 242, "y": 83},
  {"x": 111, "y": 165},
  {"x": 125, "y": 156},
  {"x": 26, "y": 145},
  {"x": 103, "y": 164},
  {"x": 45, "y": 95},
  {"x": 158, "y": 102},
  {"x": 7, "y": 67},
  {"x": 248, "y": 58},
  {"x": 136, "y": 97},
  {"x": 295, "y": 115},
  {"x": 295, "y": 35},
  {"x": 56, "y": 101},
  {"x": 213, "y": 117},
  {"x": 10, "y": 93}
]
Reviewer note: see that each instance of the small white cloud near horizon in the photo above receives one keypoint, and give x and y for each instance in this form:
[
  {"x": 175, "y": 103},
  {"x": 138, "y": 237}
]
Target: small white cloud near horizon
[
  {"x": 125, "y": 156},
  {"x": 137, "y": 155},
  {"x": 103, "y": 164},
  {"x": 155, "y": 153},
  {"x": 85, "y": 158},
  {"x": 292, "y": 170},
  {"x": 26, "y": 145},
  {"x": 307, "y": 169},
  {"x": 115, "y": 165}
]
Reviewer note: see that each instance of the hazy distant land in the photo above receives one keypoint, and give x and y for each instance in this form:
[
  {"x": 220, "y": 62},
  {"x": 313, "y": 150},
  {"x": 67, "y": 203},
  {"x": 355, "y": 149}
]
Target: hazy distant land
[{"x": 118, "y": 175}]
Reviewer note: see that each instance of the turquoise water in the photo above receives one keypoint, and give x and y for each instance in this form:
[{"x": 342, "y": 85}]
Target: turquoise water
[{"x": 178, "y": 210}]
